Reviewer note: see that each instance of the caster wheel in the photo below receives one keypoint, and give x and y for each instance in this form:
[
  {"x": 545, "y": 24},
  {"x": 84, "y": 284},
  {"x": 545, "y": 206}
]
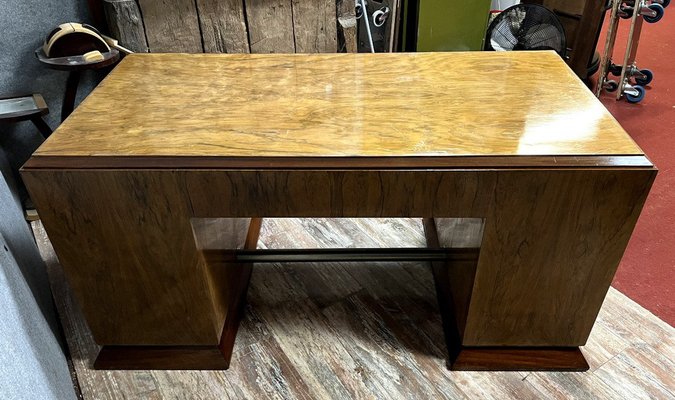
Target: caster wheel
[
  {"x": 611, "y": 86},
  {"x": 665, "y": 3},
  {"x": 658, "y": 8},
  {"x": 626, "y": 12},
  {"x": 649, "y": 75},
  {"x": 359, "y": 10},
  {"x": 636, "y": 99},
  {"x": 615, "y": 69}
]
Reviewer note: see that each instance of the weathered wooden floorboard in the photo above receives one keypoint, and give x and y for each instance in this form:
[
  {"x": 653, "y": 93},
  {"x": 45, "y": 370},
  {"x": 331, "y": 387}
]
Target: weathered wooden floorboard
[
  {"x": 384, "y": 365},
  {"x": 571, "y": 385},
  {"x": 313, "y": 347},
  {"x": 273, "y": 284},
  {"x": 636, "y": 324},
  {"x": 266, "y": 372},
  {"x": 657, "y": 382},
  {"x": 603, "y": 344},
  {"x": 503, "y": 385},
  {"x": 426, "y": 350},
  {"x": 325, "y": 283}
]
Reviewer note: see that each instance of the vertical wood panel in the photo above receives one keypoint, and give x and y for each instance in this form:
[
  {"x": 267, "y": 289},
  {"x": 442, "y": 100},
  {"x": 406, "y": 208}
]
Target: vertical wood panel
[
  {"x": 148, "y": 287},
  {"x": 346, "y": 23},
  {"x": 314, "y": 26},
  {"x": 125, "y": 23},
  {"x": 171, "y": 26},
  {"x": 552, "y": 243},
  {"x": 270, "y": 26},
  {"x": 223, "y": 26}
]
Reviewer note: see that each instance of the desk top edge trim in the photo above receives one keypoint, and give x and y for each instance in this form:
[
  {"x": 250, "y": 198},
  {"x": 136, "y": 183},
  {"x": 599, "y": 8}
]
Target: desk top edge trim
[{"x": 370, "y": 163}]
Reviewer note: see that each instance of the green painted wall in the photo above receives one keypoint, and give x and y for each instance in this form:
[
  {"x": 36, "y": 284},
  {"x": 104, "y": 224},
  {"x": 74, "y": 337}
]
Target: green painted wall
[{"x": 452, "y": 25}]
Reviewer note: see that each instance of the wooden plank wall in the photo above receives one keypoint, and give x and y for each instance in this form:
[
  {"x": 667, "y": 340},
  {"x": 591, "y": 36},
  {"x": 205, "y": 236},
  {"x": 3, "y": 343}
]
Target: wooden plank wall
[{"x": 233, "y": 26}]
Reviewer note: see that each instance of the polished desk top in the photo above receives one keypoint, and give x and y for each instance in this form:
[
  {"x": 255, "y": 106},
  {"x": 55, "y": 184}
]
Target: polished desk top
[{"x": 379, "y": 107}]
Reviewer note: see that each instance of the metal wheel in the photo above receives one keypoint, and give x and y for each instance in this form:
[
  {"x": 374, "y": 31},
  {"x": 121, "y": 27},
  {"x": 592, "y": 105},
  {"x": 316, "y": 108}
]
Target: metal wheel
[
  {"x": 658, "y": 9},
  {"x": 647, "y": 79},
  {"x": 626, "y": 12},
  {"x": 611, "y": 86},
  {"x": 636, "y": 98},
  {"x": 615, "y": 69}
]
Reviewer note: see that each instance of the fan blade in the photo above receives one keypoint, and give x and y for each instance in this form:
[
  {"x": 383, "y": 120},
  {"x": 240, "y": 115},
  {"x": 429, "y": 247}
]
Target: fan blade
[
  {"x": 503, "y": 38},
  {"x": 543, "y": 35}
]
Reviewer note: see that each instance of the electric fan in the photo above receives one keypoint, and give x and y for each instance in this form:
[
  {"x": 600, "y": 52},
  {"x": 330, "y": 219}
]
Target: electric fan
[{"x": 526, "y": 27}]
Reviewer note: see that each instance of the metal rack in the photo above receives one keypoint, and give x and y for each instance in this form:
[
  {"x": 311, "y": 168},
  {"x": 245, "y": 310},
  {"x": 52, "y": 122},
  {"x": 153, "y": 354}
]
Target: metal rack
[{"x": 632, "y": 79}]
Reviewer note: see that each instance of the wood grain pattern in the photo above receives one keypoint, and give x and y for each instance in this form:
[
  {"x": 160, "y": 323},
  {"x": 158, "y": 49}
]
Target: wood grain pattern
[
  {"x": 558, "y": 238},
  {"x": 459, "y": 232},
  {"x": 270, "y": 26},
  {"x": 152, "y": 288},
  {"x": 160, "y": 357},
  {"x": 223, "y": 26},
  {"x": 232, "y": 281},
  {"x": 454, "y": 281},
  {"x": 125, "y": 23},
  {"x": 367, "y": 163},
  {"x": 262, "y": 368},
  {"x": 658, "y": 384},
  {"x": 347, "y": 30},
  {"x": 526, "y": 210},
  {"x": 340, "y": 105},
  {"x": 350, "y": 193},
  {"x": 171, "y": 26},
  {"x": 314, "y": 26},
  {"x": 552, "y": 238},
  {"x": 516, "y": 359},
  {"x": 589, "y": 27}
]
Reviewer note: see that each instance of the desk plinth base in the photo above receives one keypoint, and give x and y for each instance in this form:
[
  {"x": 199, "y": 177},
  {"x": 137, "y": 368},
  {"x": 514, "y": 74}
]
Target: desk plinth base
[
  {"x": 215, "y": 357},
  {"x": 462, "y": 268},
  {"x": 161, "y": 357},
  {"x": 518, "y": 359}
]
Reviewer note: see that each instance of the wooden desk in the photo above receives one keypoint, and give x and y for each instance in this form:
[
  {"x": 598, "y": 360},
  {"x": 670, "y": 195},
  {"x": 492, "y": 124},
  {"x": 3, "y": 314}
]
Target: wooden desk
[{"x": 130, "y": 185}]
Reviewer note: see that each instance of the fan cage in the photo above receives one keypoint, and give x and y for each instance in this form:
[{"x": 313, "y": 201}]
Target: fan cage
[{"x": 526, "y": 27}]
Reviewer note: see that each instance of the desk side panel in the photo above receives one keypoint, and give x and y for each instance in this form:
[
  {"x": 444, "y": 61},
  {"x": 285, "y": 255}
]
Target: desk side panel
[
  {"x": 552, "y": 243},
  {"x": 126, "y": 244}
]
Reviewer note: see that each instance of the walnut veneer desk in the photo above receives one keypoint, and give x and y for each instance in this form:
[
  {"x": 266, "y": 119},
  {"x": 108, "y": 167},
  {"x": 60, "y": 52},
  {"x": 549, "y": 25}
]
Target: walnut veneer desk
[{"x": 126, "y": 186}]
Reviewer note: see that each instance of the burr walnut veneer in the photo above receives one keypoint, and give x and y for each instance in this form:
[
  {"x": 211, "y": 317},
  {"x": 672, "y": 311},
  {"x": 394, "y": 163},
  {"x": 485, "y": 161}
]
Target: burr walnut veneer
[{"x": 151, "y": 186}]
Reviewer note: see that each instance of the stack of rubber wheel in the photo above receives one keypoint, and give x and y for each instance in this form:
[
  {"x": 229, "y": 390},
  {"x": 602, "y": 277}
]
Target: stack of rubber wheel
[
  {"x": 657, "y": 7},
  {"x": 642, "y": 77}
]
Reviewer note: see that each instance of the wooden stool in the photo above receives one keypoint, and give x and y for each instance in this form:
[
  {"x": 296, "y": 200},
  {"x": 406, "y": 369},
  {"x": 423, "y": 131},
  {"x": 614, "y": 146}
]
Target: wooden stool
[{"x": 23, "y": 108}]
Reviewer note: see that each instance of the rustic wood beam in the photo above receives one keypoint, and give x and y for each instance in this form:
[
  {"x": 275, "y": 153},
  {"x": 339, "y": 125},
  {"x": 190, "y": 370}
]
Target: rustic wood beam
[
  {"x": 346, "y": 26},
  {"x": 125, "y": 23},
  {"x": 223, "y": 26}
]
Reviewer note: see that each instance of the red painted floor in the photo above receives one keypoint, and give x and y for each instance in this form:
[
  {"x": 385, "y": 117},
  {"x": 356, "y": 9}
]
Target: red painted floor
[{"x": 647, "y": 271}]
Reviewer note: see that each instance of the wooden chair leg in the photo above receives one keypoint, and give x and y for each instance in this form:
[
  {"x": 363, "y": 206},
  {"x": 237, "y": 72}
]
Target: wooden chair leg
[
  {"x": 42, "y": 126},
  {"x": 71, "y": 92}
]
